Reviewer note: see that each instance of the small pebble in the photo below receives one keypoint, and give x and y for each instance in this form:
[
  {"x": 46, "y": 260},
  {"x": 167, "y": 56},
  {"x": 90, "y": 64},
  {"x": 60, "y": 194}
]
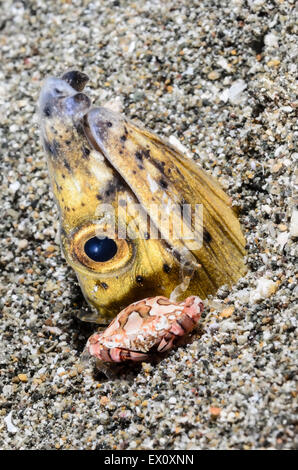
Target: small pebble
[
  {"x": 22, "y": 244},
  {"x": 23, "y": 377},
  {"x": 214, "y": 75},
  {"x": 214, "y": 411}
]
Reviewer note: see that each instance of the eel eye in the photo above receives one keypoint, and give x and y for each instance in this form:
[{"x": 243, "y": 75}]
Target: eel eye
[
  {"x": 93, "y": 248},
  {"x": 100, "y": 250}
]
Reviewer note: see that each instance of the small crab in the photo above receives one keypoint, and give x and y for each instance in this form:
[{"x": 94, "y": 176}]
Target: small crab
[{"x": 152, "y": 325}]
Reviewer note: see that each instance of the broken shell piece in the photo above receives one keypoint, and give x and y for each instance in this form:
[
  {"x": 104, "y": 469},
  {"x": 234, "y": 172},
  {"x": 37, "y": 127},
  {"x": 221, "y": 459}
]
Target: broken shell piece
[{"x": 265, "y": 288}]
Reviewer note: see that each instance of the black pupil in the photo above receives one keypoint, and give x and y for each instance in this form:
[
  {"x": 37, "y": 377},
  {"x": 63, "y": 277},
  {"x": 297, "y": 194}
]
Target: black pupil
[{"x": 100, "y": 250}]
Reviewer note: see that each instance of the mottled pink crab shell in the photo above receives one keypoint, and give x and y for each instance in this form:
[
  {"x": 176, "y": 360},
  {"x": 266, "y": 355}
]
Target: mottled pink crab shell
[{"x": 152, "y": 324}]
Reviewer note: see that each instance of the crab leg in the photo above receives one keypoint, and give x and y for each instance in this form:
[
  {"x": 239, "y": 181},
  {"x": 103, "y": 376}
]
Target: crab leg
[{"x": 120, "y": 355}]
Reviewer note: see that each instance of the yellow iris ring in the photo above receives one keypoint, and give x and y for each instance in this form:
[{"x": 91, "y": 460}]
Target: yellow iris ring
[{"x": 73, "y": 248}]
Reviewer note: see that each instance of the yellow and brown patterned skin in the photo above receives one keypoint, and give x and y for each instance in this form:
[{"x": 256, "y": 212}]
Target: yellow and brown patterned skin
[{"x": 96, "y": 157}]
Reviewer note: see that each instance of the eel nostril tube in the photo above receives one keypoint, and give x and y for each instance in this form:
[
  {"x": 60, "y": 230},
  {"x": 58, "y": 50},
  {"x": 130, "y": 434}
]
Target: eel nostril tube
[{"x": 76, "y": 79}]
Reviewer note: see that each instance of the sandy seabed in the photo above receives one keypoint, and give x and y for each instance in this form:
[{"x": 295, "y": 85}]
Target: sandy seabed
[{"x": 220, "y": 77}]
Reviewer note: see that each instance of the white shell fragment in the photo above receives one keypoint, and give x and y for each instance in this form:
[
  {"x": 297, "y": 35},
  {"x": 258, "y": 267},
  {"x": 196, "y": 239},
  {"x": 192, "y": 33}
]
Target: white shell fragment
[
  {"x": 14, "y": 187},
  {"x": 234, "y": 93},
  {"x": 179, "y": 146},
  {"x": 294, "y": 224},
  {"x": 271, "y": 40},
  {"x": 236, "y": 90},
  {"x": 9, "y": 424},
  {"x": 265, "y": 288}
]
